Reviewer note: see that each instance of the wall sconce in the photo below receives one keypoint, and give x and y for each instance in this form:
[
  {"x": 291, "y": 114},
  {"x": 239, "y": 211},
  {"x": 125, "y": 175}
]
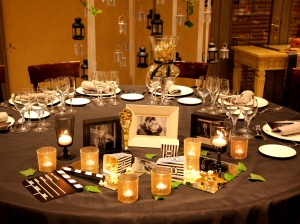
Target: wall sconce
[
  {"x": 212, "y": 53},
  {"x": 122, "y": 24},
  {"x": 118, "y": 53},
  {"x": 179, "y": 17},
  {"x": 224, "y": 52},
  {"x": 123, "y": 61},
  {"x": 149, "y": 18},
  {"x": 157, "y": 26},
  {"x": 125, "y": 46},
  {"x": 160, "y": 2},
  {"x": 84, "y": 68},
  {"x": 142, "y": 58},
  {"x": 141, "y": 14}
]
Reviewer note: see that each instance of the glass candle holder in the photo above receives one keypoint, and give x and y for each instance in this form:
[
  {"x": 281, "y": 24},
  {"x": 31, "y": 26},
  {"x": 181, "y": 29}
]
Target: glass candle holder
[
  {"x": 64, "y": 127},
  {"x": 238, "y": 147},
  {"x": 192, "y": 148},
  {"x": 128, "y": 188},
  {"x": 89, "y": 159},
  {"x": 46, "y": 159},
  {"x": 192, "y": 164},
  {"x": 161, "y": 179}
]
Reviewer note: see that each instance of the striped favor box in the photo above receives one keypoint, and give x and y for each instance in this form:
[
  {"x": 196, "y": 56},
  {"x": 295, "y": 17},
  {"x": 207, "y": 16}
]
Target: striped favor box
[
  {"x": 116, "y": 163},
  {"x": 176, "y": 164}
]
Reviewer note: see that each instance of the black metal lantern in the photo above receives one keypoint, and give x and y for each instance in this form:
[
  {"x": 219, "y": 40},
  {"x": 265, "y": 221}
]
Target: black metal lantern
[
  {"x": 157, "y": 26},
  {"x": 142, "y": 58},
  {"x": 84, "y": 68},
  {"x": 149, "y": 18},
  {"x": 78, "y": 29},
  {"x": 212, "y": 53}
]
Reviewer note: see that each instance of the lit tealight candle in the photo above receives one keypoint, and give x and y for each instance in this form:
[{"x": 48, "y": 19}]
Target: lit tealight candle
[
  {"x": 65, "y": 139},
  {"x": 219, "y": 142},
  {"x": 90, "y": 162},
  {"x": 239, "y": 151},
  {"x": 128, "y": 193},
  {"x": 161, "y": 186},
  {"x": 191, "y": 152},
  {"x": 47, "y": 164}
]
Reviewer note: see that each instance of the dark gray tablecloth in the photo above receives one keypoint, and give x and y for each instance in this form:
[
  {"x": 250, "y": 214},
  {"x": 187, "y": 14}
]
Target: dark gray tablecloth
[{"x": 240, "y": 201}]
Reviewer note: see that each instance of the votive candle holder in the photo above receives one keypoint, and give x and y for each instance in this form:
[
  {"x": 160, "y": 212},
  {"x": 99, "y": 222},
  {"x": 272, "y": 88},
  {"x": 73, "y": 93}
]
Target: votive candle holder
[
  {"x": 192, "y": 148},
  {"x": 128, "y": 188},
  {"x": 46, "y": 159},
  {"x": 238, "y": 147},
  {"x": 161, "y": 179},
  {"x": 89, "y": 157}
]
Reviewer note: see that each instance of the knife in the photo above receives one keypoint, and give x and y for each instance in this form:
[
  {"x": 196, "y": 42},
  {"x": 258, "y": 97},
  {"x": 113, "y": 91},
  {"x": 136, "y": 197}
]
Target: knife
[{"x": 259, "y": 133}]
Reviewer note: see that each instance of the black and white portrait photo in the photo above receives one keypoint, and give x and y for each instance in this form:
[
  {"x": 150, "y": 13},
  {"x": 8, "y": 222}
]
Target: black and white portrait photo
[
  {"x": 143, "y": 165},
  {"x": 103, "y": 136},
  {"x": 203, "y": 128},
  {"x": 155, "y": 126}
]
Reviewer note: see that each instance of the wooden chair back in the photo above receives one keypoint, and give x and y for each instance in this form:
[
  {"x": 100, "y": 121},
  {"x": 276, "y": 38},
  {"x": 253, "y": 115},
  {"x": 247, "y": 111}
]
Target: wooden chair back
[
  {"x": 292, "y": 91},
  {"x": 2, "y": 80},
  {"x": 38, "y": 73},
  {"x": 191, "y": 70}
]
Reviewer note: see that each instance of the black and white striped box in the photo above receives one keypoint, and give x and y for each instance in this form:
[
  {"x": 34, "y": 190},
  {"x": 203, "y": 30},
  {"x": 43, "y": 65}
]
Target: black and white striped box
[
  {"x": 169, "y": 147},
  {"x": 116, "y": 163},
  {"x": 176, "y": 164}
]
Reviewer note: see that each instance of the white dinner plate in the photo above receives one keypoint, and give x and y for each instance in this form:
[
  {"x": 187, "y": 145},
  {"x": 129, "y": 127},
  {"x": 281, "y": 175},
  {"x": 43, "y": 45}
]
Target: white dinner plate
[
  {"x": 189, "y": 100},
  {"x": 261, "y": 102},
  {"x": 78, "y": 101},
  {"x": 81, "y": 91},
  {"x": 278, "y": 151},
  {"x": 184, "y": 91},
  {"x": 34, "y": 115},
  {"x": 49, "y": 104},
  {"x": 267, "y": 129},
  {"x": 132, "y": 96}
]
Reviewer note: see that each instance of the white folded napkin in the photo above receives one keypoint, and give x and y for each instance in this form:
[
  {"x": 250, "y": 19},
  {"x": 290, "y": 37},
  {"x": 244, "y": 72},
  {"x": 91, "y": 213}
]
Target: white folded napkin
[
  {"x": 247, "y": 94},
  {"x": 3, "y": 116},
  {"x": 289, "y": 129},
  {"x": 88, "y": 85},
  {"x": 172, "y": 89}
]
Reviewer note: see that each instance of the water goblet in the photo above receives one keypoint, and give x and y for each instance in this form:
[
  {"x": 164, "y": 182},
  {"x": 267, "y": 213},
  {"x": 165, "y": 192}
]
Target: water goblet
[
  {"x": 62, "y": 87},
  {"x": 39, "y": 106},
  {"x": 20, "y": 101},
  {"x": 31, "y": 97},
  {"x": 152, "y": 85},
  {"x": 50, "y": 86},
  {"x": 213, "y": 88},
  {"x": 114, "y": 83},
  {"x": 249, "y": 109},
  {"x": 203, "y": 92},
  {"x": 223, "y": 91},
  {"x": 71, "y": 93},
  {"x": 98, "y": 79},
  {"x": 232, "y": 110}
]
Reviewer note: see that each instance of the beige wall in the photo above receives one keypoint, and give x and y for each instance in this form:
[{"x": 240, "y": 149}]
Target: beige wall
[{"x": 39, "y": 31}]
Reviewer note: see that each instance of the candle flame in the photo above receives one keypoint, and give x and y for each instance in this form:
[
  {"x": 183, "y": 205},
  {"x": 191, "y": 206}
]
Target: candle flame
[
  {"x": 220, "y": 134},
  {"x": 66, "y": 132}
]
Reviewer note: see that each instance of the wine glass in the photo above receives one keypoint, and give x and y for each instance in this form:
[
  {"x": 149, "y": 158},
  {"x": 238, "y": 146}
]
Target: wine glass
[
  {"x": 231, "y": 106},
  {"x": 152, "y": 85},
  {"x": 62, "y": 86},
  {"x": 98, "y": 79},
  {"x": 50, "y": 86},
  {"x": 114, "y": 83},
  {"x": 20, "y": 101},
  {"x": 249, "y": 107},
  {"x": 213, "y": 88},
  {"x": 39, "y": 106},
  {"x": 203, "y": 92},
  {"x": 71, "y": 93},
  {"x": 31, "y": 97},
  {"x": 223, "y": 91}
]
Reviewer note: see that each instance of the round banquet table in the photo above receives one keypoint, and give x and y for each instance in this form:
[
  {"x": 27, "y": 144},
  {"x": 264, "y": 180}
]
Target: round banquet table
[{"x": 239, "y": 201}]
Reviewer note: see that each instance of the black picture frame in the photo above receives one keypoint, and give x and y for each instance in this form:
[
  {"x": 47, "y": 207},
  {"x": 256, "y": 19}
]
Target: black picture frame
[
  {"x": 198, "y": 120},
  {"x": 111, "y": 142}
]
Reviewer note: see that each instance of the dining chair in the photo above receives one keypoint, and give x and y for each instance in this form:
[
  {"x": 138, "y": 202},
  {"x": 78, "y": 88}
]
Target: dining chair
[
  {"x": 2, "y": 80},
  {"x": 191, "y": 70},
  {"x": 292, "y": 91},
  {"x": 38, "y": 73}
]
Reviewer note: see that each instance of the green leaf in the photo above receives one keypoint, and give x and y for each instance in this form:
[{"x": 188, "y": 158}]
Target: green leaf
[
  {"x": 175, "y": 184},
  {"x": 93, "y": 189},
  {"x": 203, "y": 153},
  {"x": 157, "y": 197},
  {"x": 256, "y": 177},
  {"x": 188, "y": 24},
  {"x": 150, "y": 156},
  {"x": 28, "y": 172},
  {"x": 241, "y": 167},
  {"x": 229, "y": 177}
]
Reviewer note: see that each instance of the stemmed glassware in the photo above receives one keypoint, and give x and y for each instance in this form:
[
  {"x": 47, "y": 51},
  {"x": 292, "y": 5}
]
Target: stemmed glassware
[
  {"x": 203, "y": 92},
  {"x": 223, "y": 91},
  {"x": 20, "y": 101},
  {"x": 114, "y": 83},
  {"x": 249, "y": 107},
  {"x": 39, "y": 106},
  {"x": 213, "y": 88},
  {"x": 98, "y": 79},
  {"x": 71, "y": 93},
  {"x": 231, "y": 106},
  {"x": 50, "y": 86},
  {"x": 152, "y": 85},
  {"x": 31, "y": 97},
  {"x": 62, "y": 86}
]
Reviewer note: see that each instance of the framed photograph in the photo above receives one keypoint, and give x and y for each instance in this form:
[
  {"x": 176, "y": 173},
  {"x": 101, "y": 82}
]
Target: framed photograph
[
  {"x": 152, "y": 123},
  {"x": 201, "y": 127},
  {"x": 104, "y": 133}
]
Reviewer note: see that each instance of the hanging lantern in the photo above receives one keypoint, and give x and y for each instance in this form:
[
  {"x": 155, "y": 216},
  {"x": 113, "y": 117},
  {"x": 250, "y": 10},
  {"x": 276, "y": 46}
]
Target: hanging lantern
[
  {"x": 157, "y": 26},
  {"x": 78, "y": 29},
  {"x": 179, "y": 17},
  {"x": 142, "y": 58},
  {"x": 123, "y": 61},
  {"x": 84, "y": 68},
  {"x": 110, "y": 3},
  {"x": 160, "y": 2},
  {"x": 141, "y": 14},
  {"x": 149, "y": 18},
  {"x": 178, "y": 58},
  {"x": 224, "y": 52},
  {"x": 125, "y": 46},
  {"x": 122, "y": 24},
  {"x": 118, "y": 54},
  {"x": 212, "y": 53}
]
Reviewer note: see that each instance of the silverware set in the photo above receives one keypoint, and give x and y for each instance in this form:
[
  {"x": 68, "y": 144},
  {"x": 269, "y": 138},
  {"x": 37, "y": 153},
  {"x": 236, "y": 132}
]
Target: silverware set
[
  {"x": 259, "y": 133},
  {"x": 8, "y": 106},
  {"x": 269, "y": 110}
]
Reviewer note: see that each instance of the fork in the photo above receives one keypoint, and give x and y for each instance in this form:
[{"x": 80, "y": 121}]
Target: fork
[
  {"x": 295, "y": 144},
  {"x": 269, "y": 109}
]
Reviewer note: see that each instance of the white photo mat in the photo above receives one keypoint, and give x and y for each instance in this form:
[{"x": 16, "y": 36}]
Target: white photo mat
[{"x": 170, "y": 113}]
